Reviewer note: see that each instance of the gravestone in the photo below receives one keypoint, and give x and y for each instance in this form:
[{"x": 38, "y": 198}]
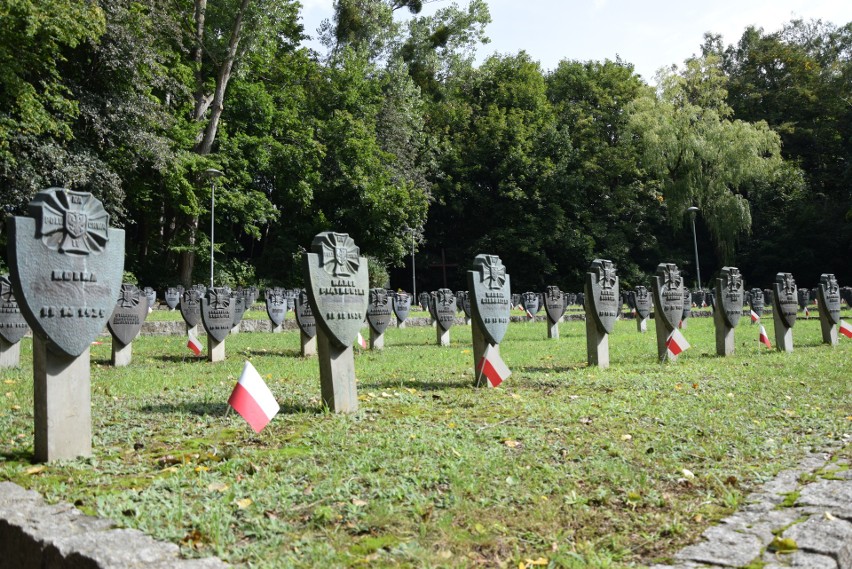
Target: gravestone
[
  {"x": 338, "y": 282},
  {"x": 581, "y": 299},
  {"x": 401, "y": 302},
  {"x": 602, "y": 301},
  {"x": 292, "y": 295},
  {"x": 642, "y": 301},
  {"x": 172, "y": 297},
  {"x": 445, "y": 314},
  {"x": 66, "y": 265},
  {"x": 379, "y": 313},
  {"x": 730, "y": 296},
  {"x": 190, "y": 308},
  {"x": 424, "y": 300},
  {"x": 529, "y": 302},
  {"x": 239, "y": 302},
  {"x": 307, "y": 324},
  {"x": 217, "y": 316},
  {"x": 13, "y": 326},
  {"x": 784, "y": 304},
  {"x": 667, "y": 287},
  {"x": 710, "y": 297},
  {"x": 846, "y": 294},
  {"x": 829, "y": 307},
  {"x": 516, "y": 300},
  {"x": 126, "y": 321},
  {"x": 803, "y": 296},
  {"x": 459, "y": 300},
  {"x": 151, "y": 296},
  {"x": 490, "y": 302},
  {"x": 466, "y": 306},
  {"x": 687, "y": 307},
  {"x": 554, "y": 308},
  {"x": 699, "y": 298},
  {"x": 276, "y": 308},
  {"x": 756, "y": 301}
]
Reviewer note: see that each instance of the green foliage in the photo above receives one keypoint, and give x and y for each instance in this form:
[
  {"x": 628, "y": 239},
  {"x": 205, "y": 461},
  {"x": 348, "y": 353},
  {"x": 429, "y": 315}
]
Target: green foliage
[{"x": 379, "y": 277}]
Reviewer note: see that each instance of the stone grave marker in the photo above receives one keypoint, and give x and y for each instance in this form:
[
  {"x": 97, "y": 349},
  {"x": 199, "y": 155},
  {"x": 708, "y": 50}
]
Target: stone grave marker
[
  {"x": 217, "y": 316},
  {"x": 379, "y": 314},
  {"x": 307, "y": 324},
  {"x": 292, "y": 295},
  {"x": 687, "y": 307},
  {"x": 529, "y": 302},
  {"x": 445, "y": 313},
  {"x": 643, "y": 303},
  {"x": 126, "y": 321},
  {"x": 66, "y": 264},
  {"x": 699, "y": 298},
  {"x": 401, "y": 302},
  {"x": 803, "y": 296},
  {"x": 459, "y": 294},
  {"x": 602, "y": 301},
  {"x": 516, "y": 300},
  {"x": 730, "y": 293},
  {"x": 172, "y": 297},
  {"x": 338, "y": 282},
  {"x": 490, "y": 302},
  {"x": 150, "y": 296},
  {"x": 432, "y": 314},
  {"x": 846, "y": 294},
  {"x": 581, "y": 299},
  {"x": 13, "y": 326},
  {"x": 756, "y": 301},
  {"x": 190, "y": 308},
  {"x": 667, "y": 287},
  {"x": 828, "y": 295},
  {"x": 784, "y": 303},
  {"x": 466, "y": 306},
  {"x": 276, "y": 308},
  {"x": 710, "y": 297},
  {"x": 239, "y": 300},
  {"x": 424, "y": 300},
  {"x": 554, "y": 308}
]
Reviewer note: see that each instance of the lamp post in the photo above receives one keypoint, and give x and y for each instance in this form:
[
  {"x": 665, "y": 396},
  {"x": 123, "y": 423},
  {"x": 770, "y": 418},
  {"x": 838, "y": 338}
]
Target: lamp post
[
  {"x": 212, "y": 173},
  {"x": 694, "y": 210}
]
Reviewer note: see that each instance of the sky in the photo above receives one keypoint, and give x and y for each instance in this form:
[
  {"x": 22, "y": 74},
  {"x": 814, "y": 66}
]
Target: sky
[{"x": 650, "y": 34}]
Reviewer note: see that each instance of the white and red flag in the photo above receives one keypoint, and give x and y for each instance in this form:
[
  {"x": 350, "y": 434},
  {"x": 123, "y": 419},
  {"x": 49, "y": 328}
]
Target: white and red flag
[
  {"x": 492, "y": 367},
  {"x": 529, "y": 314},
  {"x": 362, "y": 342},
  {"x": 193, "y": 344},
  {"x": 754, "y": 317},
  {"x": 764, "y": 337},
  {"x": 845, "y": 329},
  {"x": 676, "y": 343},
  {"x": 253, "y": 400},
  {"x": 807, "y": 312}
]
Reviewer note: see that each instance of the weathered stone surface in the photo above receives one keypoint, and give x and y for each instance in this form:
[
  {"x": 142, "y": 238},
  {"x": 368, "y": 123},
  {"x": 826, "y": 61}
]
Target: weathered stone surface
[
  {"x": 643, "y": 302},
  {"x": 401, "y": 303},
  {"x": 554, "y": 303},
  {"x": 13, "y": 326},
  {"x": 129, "y": 314},
  {"x": 379, "y": 310},
  {"x": 66, "y": 266},
  {"x": 444, "y": 308},
  {"x": 821, "y": 534},
  {"x": 798, "y": 560},
  {"x": 305, "y": 315},
  {"x": 784, "y": 299},
  {"x": 172, "y": 297},
  {"x": 490, "y": 296},
  {"x": 150, "y": 296},
  {"x": 723, "y": 546},
  {"x": 530, "y": 302},
  {"x": 730, "y": 296},
  {"x": 757, "y": 301},
  {"x": 337, "y": 285},
  {"x": 217, "y": 313},
  {"x": 602, "y": 296},
  {"x": 276, "y": 305},
  {"x": 668, "y": 295},
  {"x": 190, "y": 306},
  {"x": 826, "y": 494}
]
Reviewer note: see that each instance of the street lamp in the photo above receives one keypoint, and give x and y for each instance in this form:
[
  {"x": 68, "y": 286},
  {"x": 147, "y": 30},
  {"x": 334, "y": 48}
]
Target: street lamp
[
  {"x": 212, "y": 173},
  {"x": 413, "y": 268},
  {"x": 694, "y": 210}
]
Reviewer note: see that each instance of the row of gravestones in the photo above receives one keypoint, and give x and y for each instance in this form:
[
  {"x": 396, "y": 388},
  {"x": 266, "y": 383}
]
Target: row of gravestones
[{"x": 66, "y": 266}]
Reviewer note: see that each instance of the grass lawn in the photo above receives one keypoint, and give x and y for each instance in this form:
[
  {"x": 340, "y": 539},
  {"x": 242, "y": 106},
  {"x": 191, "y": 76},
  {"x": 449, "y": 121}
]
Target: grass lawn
[{"x": 563, "y": 465}]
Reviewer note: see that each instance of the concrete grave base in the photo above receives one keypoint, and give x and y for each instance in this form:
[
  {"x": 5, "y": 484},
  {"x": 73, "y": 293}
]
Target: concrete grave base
[
  {"x": 235, "y": 329},
  {"x": 552, "y": 328},
  {"x": 401, "y": 325},
  {"x": 829, "y": 331},
  {"x": 121, "y": 353},
  {"x": 337, "y": 375},
  {"x": 309, "y": 344},
  {"x": 277, "y": 329},
  {"x": 597, "y": 345},
  {"x": 377, "y": 341},
  {"x": 215, "y": 350},
  {"x": 442, "y": 337},
  {"x": 641, "y": 324},
  {"x": 724, "y": 335},
  {"x": 783, "y": 334},
  {"x": 10, "y": 354},
  {"x": 663, "y": 334},
  {"x": 62, "y": 400},
  {"x": 480, "y": 344},
  {"x": 193, "y": 329}
]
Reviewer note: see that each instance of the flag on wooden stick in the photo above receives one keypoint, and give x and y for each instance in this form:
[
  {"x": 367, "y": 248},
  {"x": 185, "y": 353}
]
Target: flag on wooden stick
[
  {"x": 845, "y": 329},
  {"x": 764, "y": 337},
  {"x": 676, "y": 343},
  {"x": 193, "y": 343},
  {"x": 492, "y": 367},
  {"x": 253, "y": 400},
  {"x": 754, "y": 317}
]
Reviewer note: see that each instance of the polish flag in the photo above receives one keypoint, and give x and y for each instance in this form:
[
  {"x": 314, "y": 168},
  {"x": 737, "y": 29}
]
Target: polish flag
[
  {"x": 754, "y": 317},
  {"x": 845, "y": 329},
  {"x": 492, "y": 366},
  {"x": 252, "y": 399},
  {"x": 362, "y": 342},
  {"x": 529, "y": 314},
  {"x": 676, "y": 343},
  {"x": 764, "y": 337},
  {"x": 807, "y": 312},
  {"x": 193, "y": 344}
]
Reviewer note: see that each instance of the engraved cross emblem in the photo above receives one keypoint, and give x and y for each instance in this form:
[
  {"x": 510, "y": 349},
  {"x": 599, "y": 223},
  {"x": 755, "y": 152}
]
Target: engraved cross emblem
[{"x": 494, "y": 272}]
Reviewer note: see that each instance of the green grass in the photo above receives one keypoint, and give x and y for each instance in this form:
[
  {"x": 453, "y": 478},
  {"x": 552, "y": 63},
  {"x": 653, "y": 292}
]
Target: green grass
[{"x": 572, "y": 465}]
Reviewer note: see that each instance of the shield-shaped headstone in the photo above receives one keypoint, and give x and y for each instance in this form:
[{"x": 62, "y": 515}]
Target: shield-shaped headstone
[
  {"x": 730, "y": 290},
  {"x": 699, "y": 298},
  {"x": 217, "y": 312},
  {"x": 424, "y": 300},
  {"x": 238, "y": 302},
  {"x": 529, "y": 302},
  {"x": 190, "y": 306},
  {"x": 13, "y": 327},
  {"x": 785, "y": 298},
  {"x": 150, "y": 296},
  {"x": 554, "y": 303},
  {"x": 292, "y": 295},
  {"x": 66, "y": 266},
  {"x": 129, "y": 314},
  {"x": 305, "y": 315},
  {"x": 602, "y": 294},
  {"x": 490, "y": 296},
  {"x": 846, "y": 294},
  {"x": 466, "y": 303},
  {"x": 687, "y": 304},
  {"x": 803, "y": 296},
  {"x": 459, "y": 300},
  {"x": 668, "y": 294},
  {"x": 829, "y": 297},
  {"x": 445, "y": 308},
  {"x": 516, "y": 300},
  {"x": 401, "y": 305},
  {"x": 338, "y": 283},
  {"x": 172, "y": 297},
  {"x": 757, "y": 301},
  {"x": 581, "y": 299},
  {"x": 379, "y": 310},
  {"x": 276, "y": 306},
  {"x": 642, "y": 301}
]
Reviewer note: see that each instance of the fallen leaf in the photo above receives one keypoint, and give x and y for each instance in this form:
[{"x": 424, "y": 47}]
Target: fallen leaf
[
  {"x": 783, "y": 545},
  {"x": 244, "y": 503},
  {"x": 626, "y": 437},
  {"x": 688, "y": 474},
  {"x": 35, "y": 469},
  {"x": 217, "y": 486},
  {"x": 539, "y": 561},
  {"x": 511, "y": 443},
  {"x": 358, "y": 502},
  {"x": 10, "y": 382},
  {"x": 829, "y": 517}
]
